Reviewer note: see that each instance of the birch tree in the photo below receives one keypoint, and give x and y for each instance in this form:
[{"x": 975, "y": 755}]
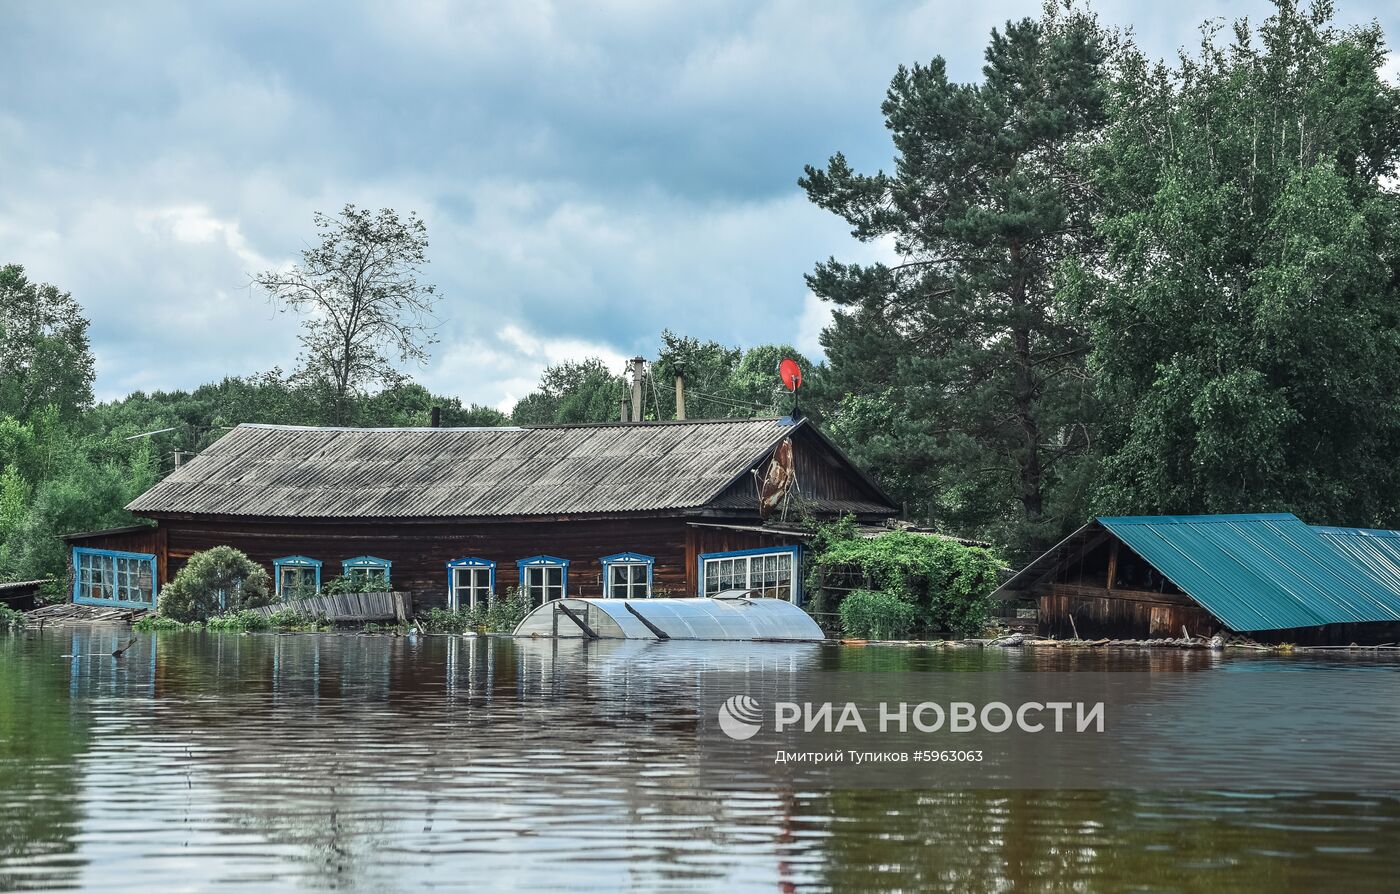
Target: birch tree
[{"x": 364, "y": 307}]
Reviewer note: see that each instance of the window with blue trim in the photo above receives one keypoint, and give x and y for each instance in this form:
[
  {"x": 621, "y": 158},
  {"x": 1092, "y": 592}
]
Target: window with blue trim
[
  {"x": 297, "y": 576},
  {"x": 364, "y": 570},
  {"x": 543, "y": 578},
  {"x": 627, "y": 576},
  {"x": 470, "y": 582},
  {"x": 110, "y": 577},
  {"x": 761, "y": 572}
]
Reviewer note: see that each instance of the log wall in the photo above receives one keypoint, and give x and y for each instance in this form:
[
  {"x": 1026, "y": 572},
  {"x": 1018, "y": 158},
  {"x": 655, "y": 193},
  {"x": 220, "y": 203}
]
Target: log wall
[
  {"x": 420, "y": 551},
  {"x": 1121, "y": 614}
]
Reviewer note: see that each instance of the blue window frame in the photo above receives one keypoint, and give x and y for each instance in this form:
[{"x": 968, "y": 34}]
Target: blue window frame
[
  {"x": 772, "y": 571},
  {"x": 627, "y": 576},
  {"x": 470, "y": 582},
  {"x": 362, "y": 568},
  {"x": 112, "y": 577},
  {"x": 543, "y": 578},
  {"x": 296, "y": 575}
]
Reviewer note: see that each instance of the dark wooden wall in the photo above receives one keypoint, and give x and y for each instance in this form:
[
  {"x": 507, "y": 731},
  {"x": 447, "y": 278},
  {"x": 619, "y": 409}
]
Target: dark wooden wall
[
  {"x": 141, "y": 540},
  {"x": 822, "y": 477},
  {"x": 1120, "y": 614},
  {"x": 420, "y": 551},
  {"x": 704, "y": 539}
]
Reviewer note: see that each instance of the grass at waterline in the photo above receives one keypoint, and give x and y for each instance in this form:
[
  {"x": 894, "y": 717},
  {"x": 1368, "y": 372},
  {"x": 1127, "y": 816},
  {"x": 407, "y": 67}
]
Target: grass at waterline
[{"x": 237, "y": 622}]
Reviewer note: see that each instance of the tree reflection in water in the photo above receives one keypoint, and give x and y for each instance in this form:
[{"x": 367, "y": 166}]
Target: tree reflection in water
[{"x": 389, "y": 762}]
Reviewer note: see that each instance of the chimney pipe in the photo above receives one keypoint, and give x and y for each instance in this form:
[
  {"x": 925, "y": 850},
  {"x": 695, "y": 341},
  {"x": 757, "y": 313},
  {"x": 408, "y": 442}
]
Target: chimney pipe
[
  {"x": 680, "y": 394},
  {"x": 436, "y": 421},
  {"x": 637, "y": 365},
  {"x": 622, "y": 410}
]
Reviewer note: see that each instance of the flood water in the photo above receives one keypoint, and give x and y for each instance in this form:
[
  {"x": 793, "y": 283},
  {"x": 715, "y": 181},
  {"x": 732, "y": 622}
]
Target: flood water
[{"x": 206, "y": 761}]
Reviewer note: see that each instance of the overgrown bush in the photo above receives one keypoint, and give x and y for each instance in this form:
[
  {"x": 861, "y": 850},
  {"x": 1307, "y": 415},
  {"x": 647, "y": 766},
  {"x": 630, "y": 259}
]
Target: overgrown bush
[
  {"x": 215, "y": 581},
  {"x": 358, "y": 584},
  {"x": 867, "y": 614},
  {"x": 150, "y": 623},
  {"x": 504, "y": 615},
  {"x": 9, "y": 618},
  {"x": 446, "y": 620},
  {"x": 240, "y": 620},
  {"x": 946, "y": 582}
]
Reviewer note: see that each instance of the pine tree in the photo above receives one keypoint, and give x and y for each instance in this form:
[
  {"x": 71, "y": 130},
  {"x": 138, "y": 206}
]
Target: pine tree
[{"x": 959, "y": 374}]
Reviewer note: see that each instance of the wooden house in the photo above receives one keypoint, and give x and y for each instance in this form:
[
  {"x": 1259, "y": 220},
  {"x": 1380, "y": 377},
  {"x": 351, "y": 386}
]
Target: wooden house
[
  {"x": 452, "y": 515},
  {"x": 1269, "y": 576}
]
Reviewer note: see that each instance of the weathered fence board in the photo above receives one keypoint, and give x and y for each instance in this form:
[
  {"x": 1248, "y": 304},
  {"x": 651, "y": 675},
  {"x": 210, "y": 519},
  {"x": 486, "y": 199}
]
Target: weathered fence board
[{"x": 343, "y": 607}]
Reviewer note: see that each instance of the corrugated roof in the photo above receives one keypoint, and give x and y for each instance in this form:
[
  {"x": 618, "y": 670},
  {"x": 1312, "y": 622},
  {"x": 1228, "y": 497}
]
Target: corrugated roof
[
  {"x": 1379, "y": 551},
  {"x": 300, "y": 472},
  {"x": 1260, "y": 572}
]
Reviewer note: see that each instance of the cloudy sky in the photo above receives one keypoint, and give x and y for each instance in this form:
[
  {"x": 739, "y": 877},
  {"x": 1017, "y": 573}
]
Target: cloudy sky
[{"x": 590, "y": 173}]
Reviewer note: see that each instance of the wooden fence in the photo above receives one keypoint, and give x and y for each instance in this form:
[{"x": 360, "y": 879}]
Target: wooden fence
[{"x": 348, "y": 607}]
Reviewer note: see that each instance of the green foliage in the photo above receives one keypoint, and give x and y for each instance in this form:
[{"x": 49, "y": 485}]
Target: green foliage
[
  {"x": 215, "y": 580},
  {"x": 357, "y": 584},
  {"x": 363, "y": 307},
  {"x": 152, "y": 622},
  {"x": 246, "y": 620},
  {"x": 55, "y": 481},
  {"x": 45, "y": 360},
  {"x": 243, "y": 620},
  {"x": 1247, "y": 322},
  {"x": 9, "y": 618},
  {"x": 240, "y": 621},
  {"x": 964, "y": 371},
  {"x": 946, "y": 582},
  {"x": 462, "y": 620},
  {"x": 721, "y": 382},
  {"x": 504, "y": 615},
  {"x": 868, "y": 614},
  {"x": 499, "y": 615},
  {"x": 573, "y": 391},
  {"x": 57, "y": 475}
]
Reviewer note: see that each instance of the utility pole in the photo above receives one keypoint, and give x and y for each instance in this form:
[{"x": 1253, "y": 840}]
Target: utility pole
[{"x": 638, "y": 364}]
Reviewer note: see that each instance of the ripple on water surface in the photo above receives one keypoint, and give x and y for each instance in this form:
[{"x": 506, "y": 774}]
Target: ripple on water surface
[{"x": 383, "y": 763}]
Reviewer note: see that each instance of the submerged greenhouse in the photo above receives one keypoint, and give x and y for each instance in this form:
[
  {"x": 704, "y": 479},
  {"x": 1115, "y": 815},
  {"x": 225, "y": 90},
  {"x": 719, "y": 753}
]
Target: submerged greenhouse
[{"x": 720, "y": 618}]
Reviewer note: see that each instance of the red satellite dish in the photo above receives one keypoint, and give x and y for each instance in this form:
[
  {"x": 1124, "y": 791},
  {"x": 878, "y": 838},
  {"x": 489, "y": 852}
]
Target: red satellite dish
[{"x": 791, "y": 373}]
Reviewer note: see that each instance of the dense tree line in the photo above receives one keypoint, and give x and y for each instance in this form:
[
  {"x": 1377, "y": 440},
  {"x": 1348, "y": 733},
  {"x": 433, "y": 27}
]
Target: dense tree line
[
  {"x": 1127, "y": 286},
  {"x": 68, "y": 464},
  {"x": 1122, "y": 286}
]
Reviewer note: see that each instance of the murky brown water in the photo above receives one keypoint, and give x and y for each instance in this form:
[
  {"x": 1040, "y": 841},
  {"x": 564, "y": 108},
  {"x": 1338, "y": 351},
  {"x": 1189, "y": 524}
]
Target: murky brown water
[{"x": 381, "y": 764}]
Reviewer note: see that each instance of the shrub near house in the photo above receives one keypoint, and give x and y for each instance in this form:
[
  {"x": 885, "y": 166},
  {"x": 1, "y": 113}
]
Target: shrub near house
[
  {"x": 213, "y": 582},
  {"x": 903, "y": 582}
]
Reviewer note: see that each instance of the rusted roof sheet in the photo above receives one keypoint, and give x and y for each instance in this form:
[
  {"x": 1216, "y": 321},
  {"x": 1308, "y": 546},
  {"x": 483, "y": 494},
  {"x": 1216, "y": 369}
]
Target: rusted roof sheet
[{"x": 299, "y": 472}]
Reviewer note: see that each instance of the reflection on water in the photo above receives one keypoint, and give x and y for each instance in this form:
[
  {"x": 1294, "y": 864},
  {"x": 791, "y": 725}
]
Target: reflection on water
[{"x": 382, "y": 763}]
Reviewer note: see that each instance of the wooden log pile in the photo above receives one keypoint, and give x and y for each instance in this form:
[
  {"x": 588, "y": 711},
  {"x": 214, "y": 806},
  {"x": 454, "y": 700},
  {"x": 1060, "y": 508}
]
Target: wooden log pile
[{"x": 72, "y": 613}]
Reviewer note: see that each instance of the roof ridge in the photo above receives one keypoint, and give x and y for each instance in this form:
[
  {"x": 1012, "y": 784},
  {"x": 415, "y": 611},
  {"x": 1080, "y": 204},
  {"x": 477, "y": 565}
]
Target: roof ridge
[
  {"x": 1203, "y": 519},
  {"x": 650, "y": 423}
]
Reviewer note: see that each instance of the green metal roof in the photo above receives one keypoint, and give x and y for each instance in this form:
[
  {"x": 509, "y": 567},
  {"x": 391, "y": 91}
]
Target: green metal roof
[
  {"x": 1379, "y": 551},
  {"x": 1271, "y": 571}
]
